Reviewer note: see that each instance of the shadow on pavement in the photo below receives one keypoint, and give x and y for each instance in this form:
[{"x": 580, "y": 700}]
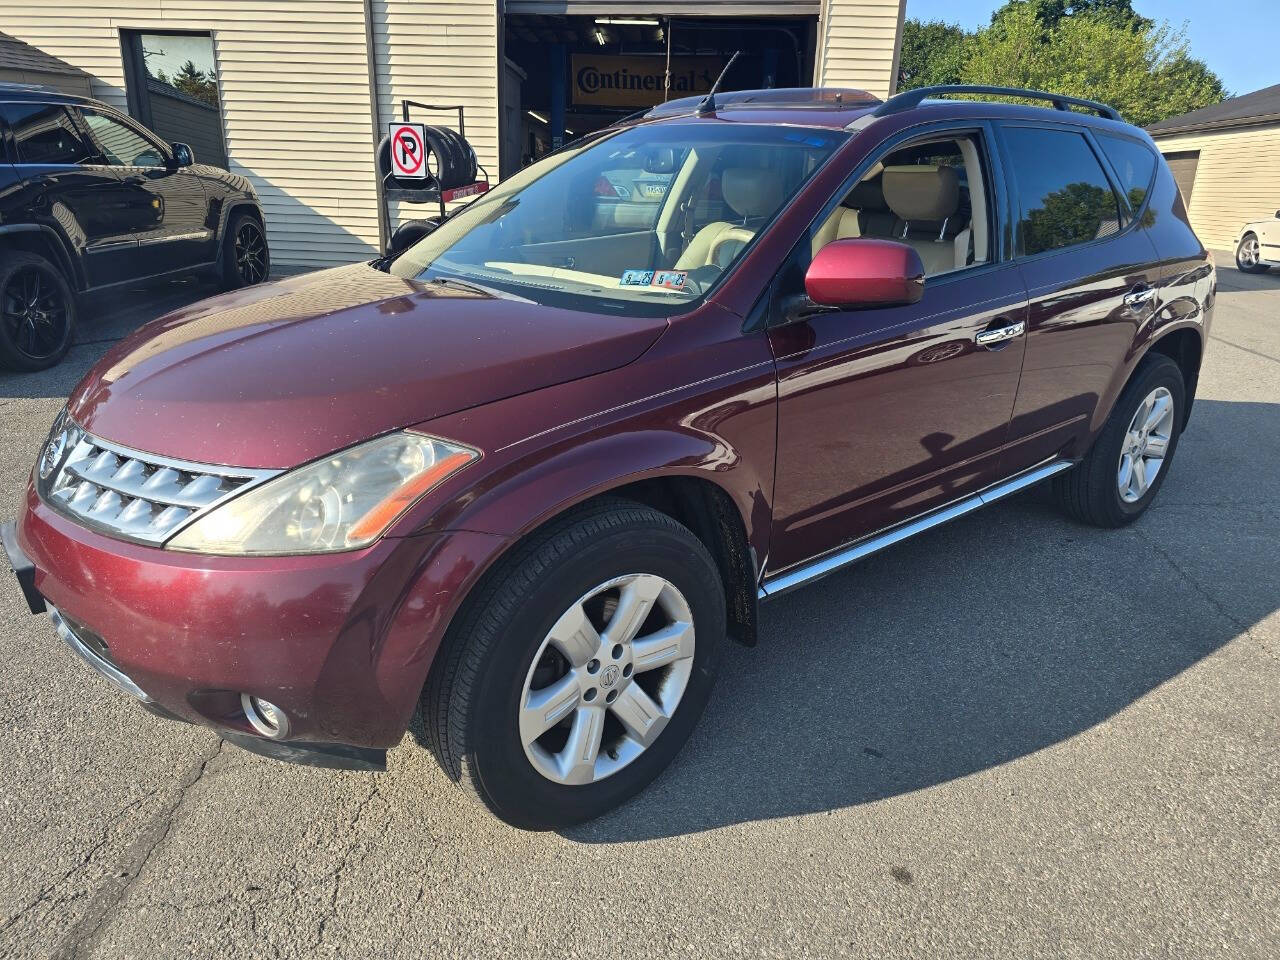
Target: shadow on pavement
[{"x": 992, "y": 638}]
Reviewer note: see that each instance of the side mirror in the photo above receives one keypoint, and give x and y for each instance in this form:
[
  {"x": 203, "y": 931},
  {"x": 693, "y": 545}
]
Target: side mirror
[
  {"x": 660, "y": 160},
  {"x": 1278, "y": 214},
  {"x": 183, "y": 155},
  {"x": 865, "y": 272},
  {"x": 409, "y": 233}
]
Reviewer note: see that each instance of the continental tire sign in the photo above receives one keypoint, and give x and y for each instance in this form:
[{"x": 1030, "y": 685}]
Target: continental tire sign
[{"x": 611, "y": 81}]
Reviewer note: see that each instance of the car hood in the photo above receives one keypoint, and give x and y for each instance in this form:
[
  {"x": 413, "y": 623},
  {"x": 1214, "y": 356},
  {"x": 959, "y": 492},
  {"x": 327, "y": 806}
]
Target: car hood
[{"x": 279, "y": 374}]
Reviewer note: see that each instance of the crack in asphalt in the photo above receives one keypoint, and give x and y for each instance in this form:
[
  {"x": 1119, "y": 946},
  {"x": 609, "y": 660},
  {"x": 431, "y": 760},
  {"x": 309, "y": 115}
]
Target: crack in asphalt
[
  {"x": 1240, "y": 625},
  {"x": 84, "y": 860},
  {"x": 336, "y": 873},
  {"x": 82, "y": 939}
]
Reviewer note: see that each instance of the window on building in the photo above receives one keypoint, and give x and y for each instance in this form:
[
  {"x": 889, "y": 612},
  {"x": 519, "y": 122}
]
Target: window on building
[
  {"x": 119, "y": 145},
  {"x": 1065, "y": 197},
  {"x": 1134, "y": 164},
  {"x": 46, "y": 133},
  {"x": 172, "y": 85}
]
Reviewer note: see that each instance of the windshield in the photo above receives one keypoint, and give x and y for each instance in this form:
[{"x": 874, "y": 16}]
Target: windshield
[{"x": 642, "y": 220}]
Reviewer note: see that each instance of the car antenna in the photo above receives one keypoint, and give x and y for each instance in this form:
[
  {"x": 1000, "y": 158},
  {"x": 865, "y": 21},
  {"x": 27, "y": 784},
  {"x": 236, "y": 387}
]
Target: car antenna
[{"x": 708, "y": 104}]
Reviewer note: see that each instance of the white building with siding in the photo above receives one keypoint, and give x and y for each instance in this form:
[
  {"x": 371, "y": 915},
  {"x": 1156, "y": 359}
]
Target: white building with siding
[
  {"x": 1226, "y": 159},
  {"x": 302, "y": 85}
]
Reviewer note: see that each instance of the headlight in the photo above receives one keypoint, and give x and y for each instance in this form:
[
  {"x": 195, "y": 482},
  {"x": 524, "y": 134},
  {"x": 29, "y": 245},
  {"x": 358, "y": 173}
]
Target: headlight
[
  {"x": 62, "y": 435},
  {"x": 339, "y": 503}
]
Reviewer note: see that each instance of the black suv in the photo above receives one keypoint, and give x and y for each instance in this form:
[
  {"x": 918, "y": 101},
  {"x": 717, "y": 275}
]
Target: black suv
[{"x": 89, "y": 199}]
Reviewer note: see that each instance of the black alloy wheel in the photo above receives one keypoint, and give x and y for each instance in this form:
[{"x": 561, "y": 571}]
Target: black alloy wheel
[
  {"x": 37, "y": 314},
  {"x": 252, "y": 264}
]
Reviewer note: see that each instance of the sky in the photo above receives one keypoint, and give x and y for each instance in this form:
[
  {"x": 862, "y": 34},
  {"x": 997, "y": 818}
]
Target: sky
[{"x": 1238, "y": 39}]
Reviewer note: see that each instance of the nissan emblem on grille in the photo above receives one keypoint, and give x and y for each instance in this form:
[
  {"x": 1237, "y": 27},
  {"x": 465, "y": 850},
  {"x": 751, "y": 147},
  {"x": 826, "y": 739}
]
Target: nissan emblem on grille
[{"x": 136, "y": 495}]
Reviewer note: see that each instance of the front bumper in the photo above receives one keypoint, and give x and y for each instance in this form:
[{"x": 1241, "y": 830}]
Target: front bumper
[{"x": 341, "y": 642}]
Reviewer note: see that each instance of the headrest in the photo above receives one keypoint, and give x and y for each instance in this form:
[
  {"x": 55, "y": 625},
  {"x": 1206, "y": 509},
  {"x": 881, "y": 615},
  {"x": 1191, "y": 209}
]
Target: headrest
[
  {"x": 867, "y": 195},
  {"x": 923, "y": 192},
  {"x": 750, "y": 191}
]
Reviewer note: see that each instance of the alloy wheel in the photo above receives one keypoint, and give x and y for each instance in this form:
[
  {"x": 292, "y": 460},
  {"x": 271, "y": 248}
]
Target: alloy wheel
[
  {"x": 251, "y": 250},
  {"x": 34, "y": 316},
  {"x": 1250, "y": 252},
  {"x": 1146, "y": 443},
  {"x": 607, "y": 679}
]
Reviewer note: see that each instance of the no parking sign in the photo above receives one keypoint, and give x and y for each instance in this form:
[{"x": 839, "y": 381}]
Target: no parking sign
[{"x": 408, "y": 151}]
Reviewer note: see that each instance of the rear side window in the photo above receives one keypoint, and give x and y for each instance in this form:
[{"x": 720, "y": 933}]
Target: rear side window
[
  {"x": 1064, "y": 196},
  {"x": 45, "y": 133},
  {"x": 1134, "y": 164}
]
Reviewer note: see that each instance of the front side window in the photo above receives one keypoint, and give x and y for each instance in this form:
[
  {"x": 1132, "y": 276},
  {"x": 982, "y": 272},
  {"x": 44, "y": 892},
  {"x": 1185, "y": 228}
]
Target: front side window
[
  {"x": 46, "y": 133},
  {"x": 931, "y": 195},
  {"x": 121, "y": 146},
  {"x": 1134, "y": 164},
  {"x": 644, "y": 219},
  {"x": 1064, "y": 196}
]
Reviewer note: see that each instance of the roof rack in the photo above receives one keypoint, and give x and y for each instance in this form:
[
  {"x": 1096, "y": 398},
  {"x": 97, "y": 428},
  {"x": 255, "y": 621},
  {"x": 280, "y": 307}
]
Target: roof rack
[
  {"x": 815, "y": 98},
  {"x": 909, "y": 99}
]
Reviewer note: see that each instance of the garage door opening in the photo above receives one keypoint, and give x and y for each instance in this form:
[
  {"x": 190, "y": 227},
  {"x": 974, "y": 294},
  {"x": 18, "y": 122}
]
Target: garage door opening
[{"x": 568, "y": 75}]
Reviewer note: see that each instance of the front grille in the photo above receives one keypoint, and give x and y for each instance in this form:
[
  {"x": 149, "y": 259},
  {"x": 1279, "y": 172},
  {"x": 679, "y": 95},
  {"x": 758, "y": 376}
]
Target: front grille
[{"x": 134, "y": 495}]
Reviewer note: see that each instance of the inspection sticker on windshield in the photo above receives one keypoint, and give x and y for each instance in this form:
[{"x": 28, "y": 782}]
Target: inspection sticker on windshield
[
  {"x": 669, "y": 279},
  {"x": 636, "y": 278}
]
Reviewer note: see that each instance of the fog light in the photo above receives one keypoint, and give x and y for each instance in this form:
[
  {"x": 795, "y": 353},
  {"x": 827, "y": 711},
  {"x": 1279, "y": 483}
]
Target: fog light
[{"x": 265, "y": 717}]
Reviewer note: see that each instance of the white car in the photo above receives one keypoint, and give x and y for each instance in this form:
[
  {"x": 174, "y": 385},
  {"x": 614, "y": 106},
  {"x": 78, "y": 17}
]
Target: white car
[{"x": 1258, "y": 245}]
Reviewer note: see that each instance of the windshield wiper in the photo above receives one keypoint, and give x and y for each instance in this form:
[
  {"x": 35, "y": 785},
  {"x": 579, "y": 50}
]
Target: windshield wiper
[
  {"x": 460, "y": 284},
  {"x": 476, "y": 288}
]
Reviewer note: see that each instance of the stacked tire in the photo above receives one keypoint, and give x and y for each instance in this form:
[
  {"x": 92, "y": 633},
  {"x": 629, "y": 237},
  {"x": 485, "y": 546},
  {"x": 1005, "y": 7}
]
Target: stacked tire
[{"x": 450, "y": 161}]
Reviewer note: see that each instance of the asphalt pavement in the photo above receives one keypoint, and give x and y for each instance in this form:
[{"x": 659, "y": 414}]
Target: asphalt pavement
[{"x": 1012, "y": 737}]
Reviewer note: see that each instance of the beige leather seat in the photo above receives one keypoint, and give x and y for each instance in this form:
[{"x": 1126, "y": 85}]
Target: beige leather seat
[
  {"x": 751, "y": 193},
  {"x": 928, "y": 197},
  {"x": 862, "y": 214}
]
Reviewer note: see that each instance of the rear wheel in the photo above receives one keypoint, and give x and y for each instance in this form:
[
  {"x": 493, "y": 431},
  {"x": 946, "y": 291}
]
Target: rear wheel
[
  {"x": 37, "y": 312},
  {"x": 1119, "y": 478},
  {"x": 246, "y": 260},
  {"x": 580, "y": 668},
  {"x": 1249, "y": 255}
]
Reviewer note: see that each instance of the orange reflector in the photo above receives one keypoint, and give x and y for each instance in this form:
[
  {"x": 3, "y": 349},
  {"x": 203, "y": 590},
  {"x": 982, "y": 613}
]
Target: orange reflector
[{"x": 381, "y": 515}]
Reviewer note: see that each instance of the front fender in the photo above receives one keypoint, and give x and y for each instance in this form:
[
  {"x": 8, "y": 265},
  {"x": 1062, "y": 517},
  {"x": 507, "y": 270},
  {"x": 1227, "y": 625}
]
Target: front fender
[
  {"x": 706, "y": 410},
  {"x": 521, "y": 495}
]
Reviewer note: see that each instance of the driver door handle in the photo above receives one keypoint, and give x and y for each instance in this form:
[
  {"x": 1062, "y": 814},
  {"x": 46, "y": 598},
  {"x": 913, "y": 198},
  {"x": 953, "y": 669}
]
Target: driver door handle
[
  {"x": 998, "y": 335},
  {"x": 1139, "y": 296}
]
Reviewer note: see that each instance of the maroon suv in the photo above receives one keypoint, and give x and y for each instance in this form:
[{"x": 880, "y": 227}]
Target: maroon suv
[{"x": 534, "y": 469}]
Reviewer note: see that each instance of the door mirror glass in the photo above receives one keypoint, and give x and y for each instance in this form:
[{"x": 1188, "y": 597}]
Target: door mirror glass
[
  {"x": 660, "y": 160},
  {"x": 409, "y": 233},
  {"x": 865, "y": 272},
  {"x": 183, "y": 155}
]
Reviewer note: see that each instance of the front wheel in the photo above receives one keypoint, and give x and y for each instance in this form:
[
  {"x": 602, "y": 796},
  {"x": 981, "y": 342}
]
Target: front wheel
[
  {"x": 1249, "y": 255},
  {"x": 580, "y": 667},
  {"x": 1118, "y": 479},
  {"x": 246, "y": 260}
]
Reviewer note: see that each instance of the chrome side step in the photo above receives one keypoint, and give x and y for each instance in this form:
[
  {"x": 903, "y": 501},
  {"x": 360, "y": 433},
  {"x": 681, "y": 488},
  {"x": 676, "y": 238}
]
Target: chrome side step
[{"x": 817, "y": 569}]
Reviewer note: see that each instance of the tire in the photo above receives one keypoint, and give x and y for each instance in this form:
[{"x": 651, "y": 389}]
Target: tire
[
  {"x": 500, "y": 641},
  {"x": 1247, "y": 254},
  {"x": 37, "y": 312},
  {"x": 250, "y": 265},
  {"x": 1091, "y": 491},
  {"x": 451, "y": 161}
]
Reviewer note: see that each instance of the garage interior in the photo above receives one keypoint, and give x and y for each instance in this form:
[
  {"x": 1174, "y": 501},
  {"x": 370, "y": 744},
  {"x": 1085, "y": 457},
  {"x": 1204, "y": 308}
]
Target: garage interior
[{"x": 568, "y": 75}]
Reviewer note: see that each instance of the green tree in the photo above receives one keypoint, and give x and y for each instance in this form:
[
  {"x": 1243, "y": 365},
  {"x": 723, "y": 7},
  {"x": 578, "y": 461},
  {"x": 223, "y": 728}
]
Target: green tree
[
  {"x": 1097, "y": 49},
  {"x": 932, "y": 53},
  {"x": 192, "y": 81}
]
